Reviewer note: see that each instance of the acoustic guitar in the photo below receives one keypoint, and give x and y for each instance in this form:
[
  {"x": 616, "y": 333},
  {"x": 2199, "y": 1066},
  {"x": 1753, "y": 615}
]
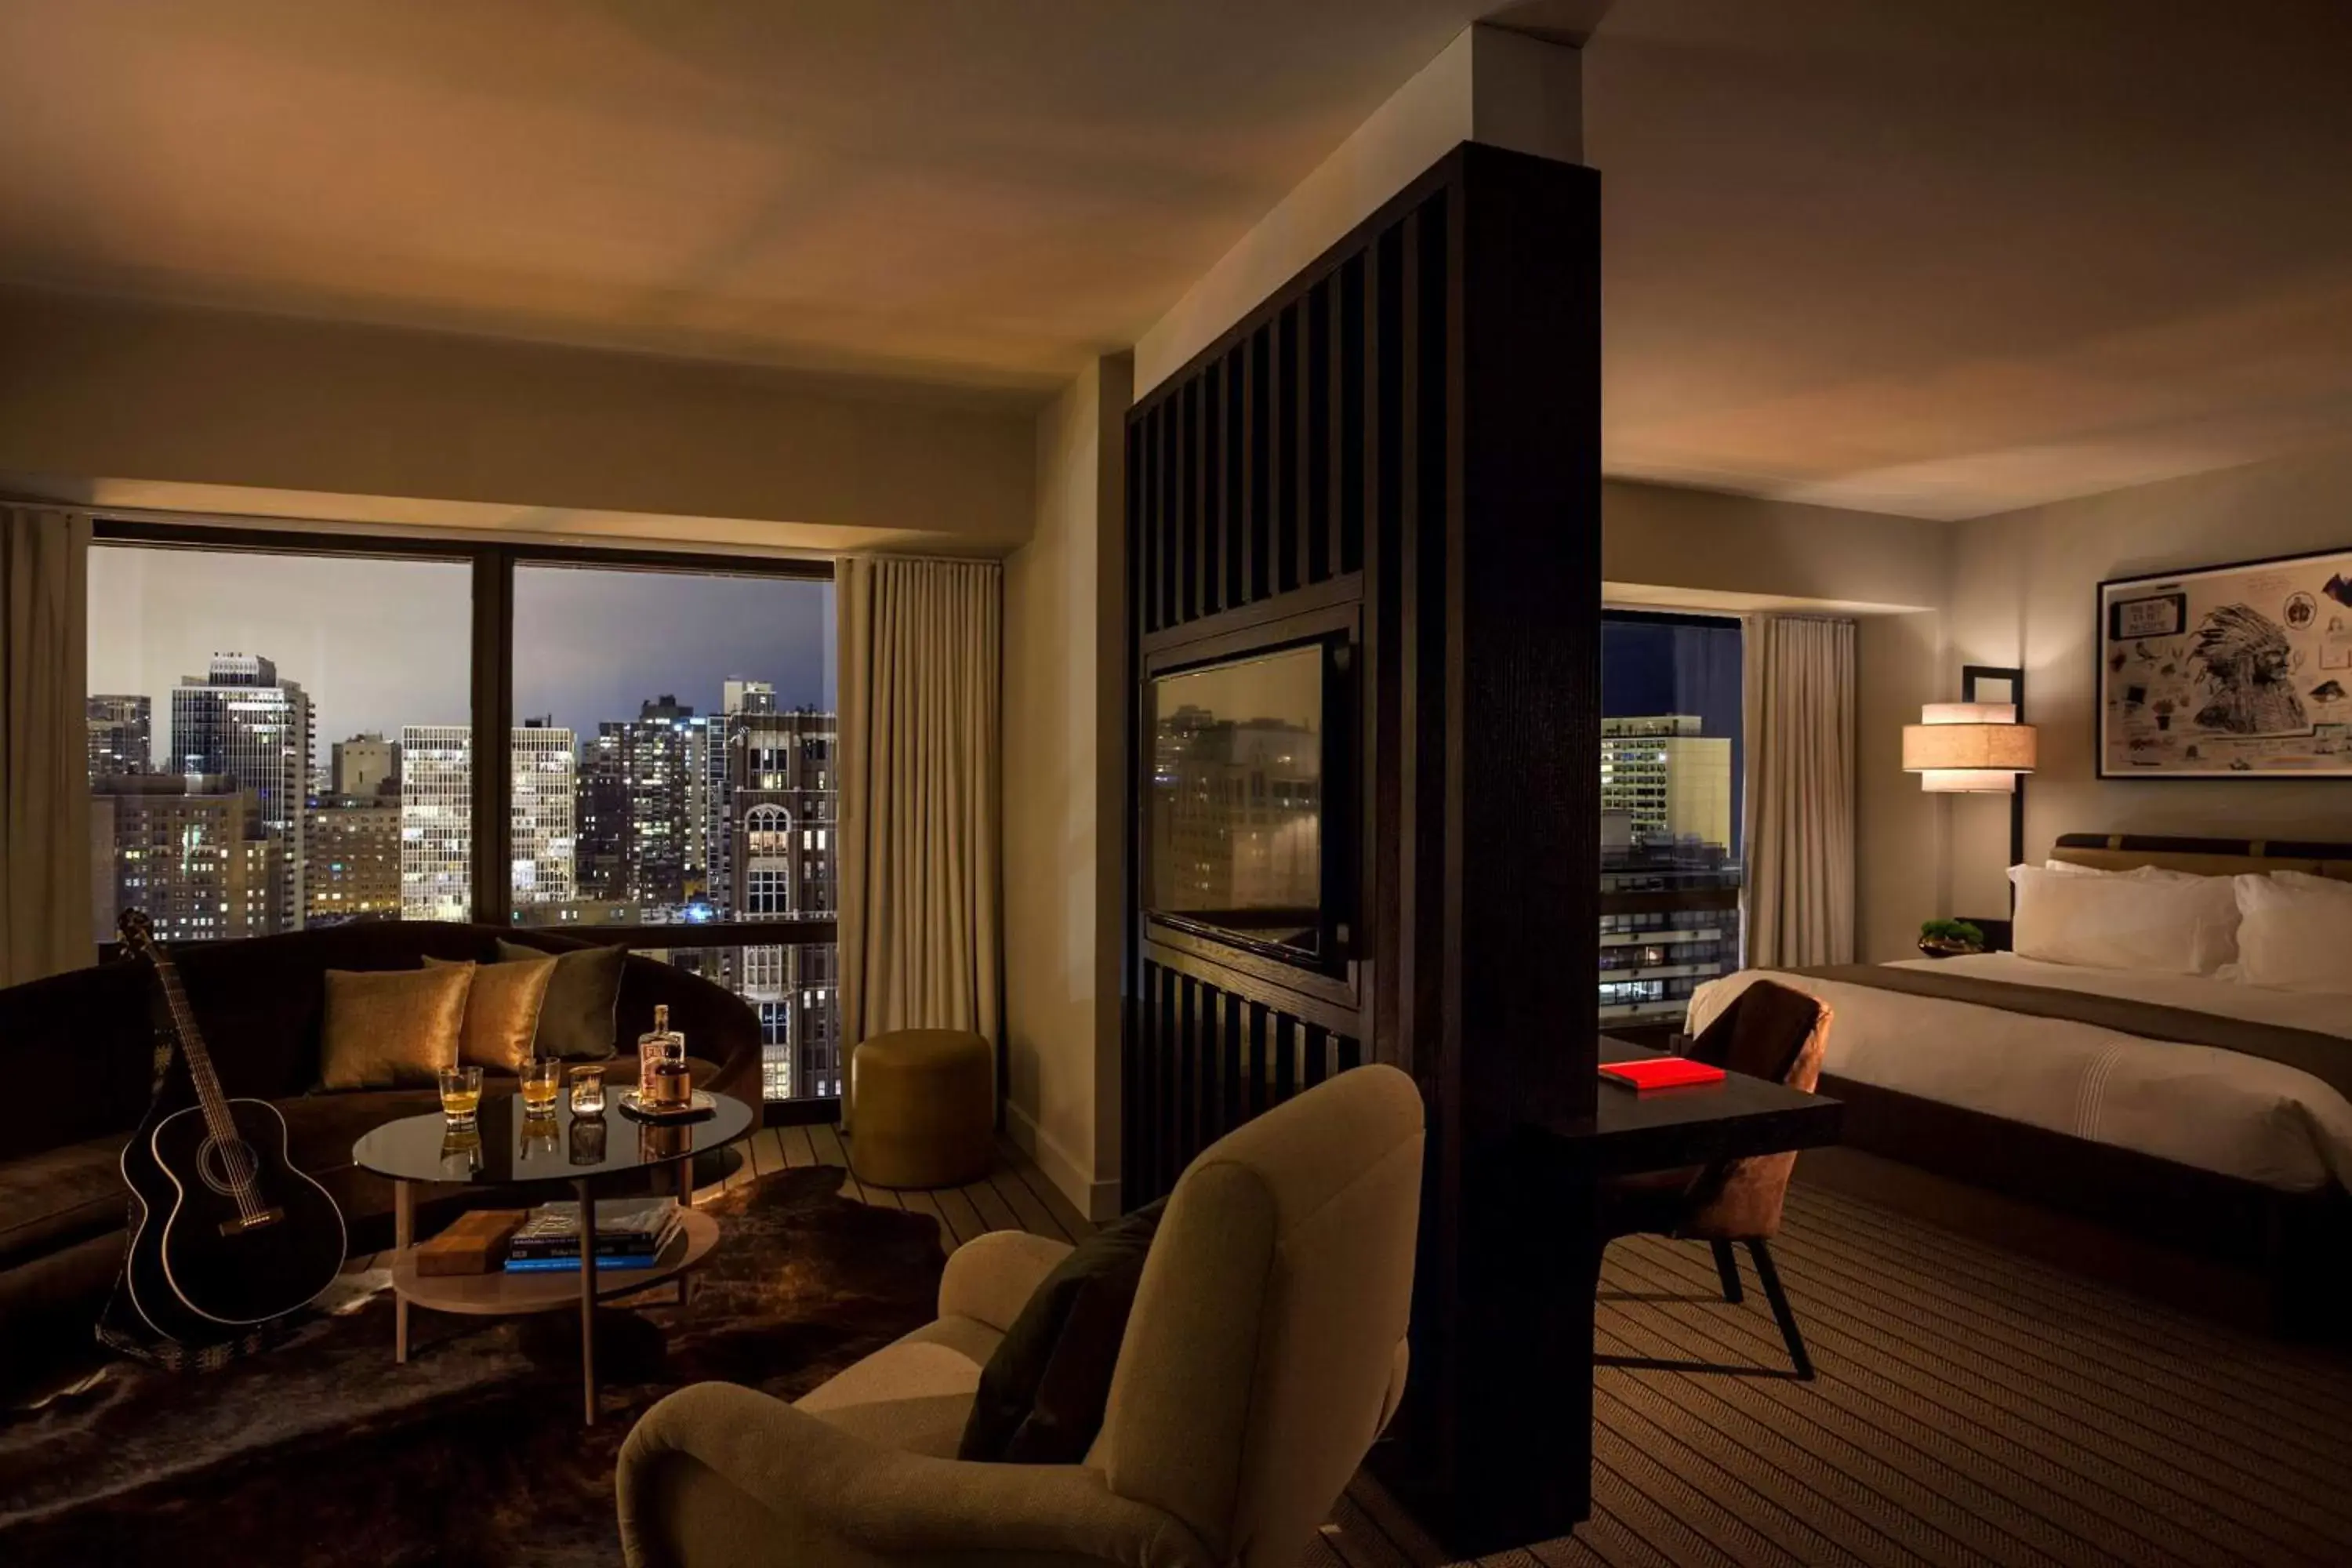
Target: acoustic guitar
[{"x": 226, "y": 1233}]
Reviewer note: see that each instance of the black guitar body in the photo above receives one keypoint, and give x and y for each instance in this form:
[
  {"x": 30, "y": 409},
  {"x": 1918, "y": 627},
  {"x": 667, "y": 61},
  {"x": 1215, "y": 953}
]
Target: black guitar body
[{"x": 205, "y": 1262}]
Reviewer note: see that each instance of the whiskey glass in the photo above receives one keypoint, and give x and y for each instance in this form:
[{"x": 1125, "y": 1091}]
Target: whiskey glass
[
  {"x": 542, "y": 1079},
  {"x": 461, "y": 1094}
]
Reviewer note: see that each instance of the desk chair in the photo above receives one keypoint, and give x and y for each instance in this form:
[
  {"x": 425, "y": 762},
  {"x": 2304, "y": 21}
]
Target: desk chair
[{"x": 1770, "y": 1032}]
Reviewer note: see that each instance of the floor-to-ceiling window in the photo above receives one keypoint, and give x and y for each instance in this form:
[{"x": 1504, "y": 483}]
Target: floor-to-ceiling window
[
  {"x": 286, "y": 731},
  {"x": 1670, "y": 807}
]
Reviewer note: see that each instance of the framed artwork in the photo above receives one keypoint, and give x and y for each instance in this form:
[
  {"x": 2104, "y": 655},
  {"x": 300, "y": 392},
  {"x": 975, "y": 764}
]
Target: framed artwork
[{"x": 2228, "y": 672}]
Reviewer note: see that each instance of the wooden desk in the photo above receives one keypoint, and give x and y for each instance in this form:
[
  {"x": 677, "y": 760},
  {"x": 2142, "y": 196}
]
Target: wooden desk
[{"x": 1666, "y": 1128}]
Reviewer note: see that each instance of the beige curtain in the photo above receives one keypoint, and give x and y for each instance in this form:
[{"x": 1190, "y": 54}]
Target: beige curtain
[
  {"x": 919, "y": 860},
  {"x": 1798, "y": 734},
  {"x": 44, "y": 853}
]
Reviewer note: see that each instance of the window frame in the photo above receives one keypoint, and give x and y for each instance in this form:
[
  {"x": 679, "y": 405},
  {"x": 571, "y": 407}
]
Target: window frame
[{"x": 492, "y": 564}]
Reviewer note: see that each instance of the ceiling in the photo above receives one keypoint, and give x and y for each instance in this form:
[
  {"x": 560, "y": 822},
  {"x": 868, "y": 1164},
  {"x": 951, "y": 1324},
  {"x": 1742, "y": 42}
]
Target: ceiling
[
  {"x": 1946, "y": 257},
  {"x": 1943, "y": 258},
  {"x": 977, "y": 190}
]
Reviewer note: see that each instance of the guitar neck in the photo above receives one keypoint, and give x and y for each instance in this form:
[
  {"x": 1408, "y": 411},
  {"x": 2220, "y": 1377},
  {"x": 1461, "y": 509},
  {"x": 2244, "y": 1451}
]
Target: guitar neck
[{"x": 191, "y": 1039}]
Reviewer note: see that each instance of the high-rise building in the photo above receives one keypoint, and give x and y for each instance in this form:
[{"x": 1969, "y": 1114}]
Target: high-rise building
[
  {"x": 436, "y": 821},
  {"x": 121, "y": 735},
  {"x": 193, "y": 851},
  {"x": 365, "y": 764},
  {"x": 241, "y": 721},
  {"x": 1672, "y": 784},
  {"x": 1669, "y": 885},
  {"x": 778, "y": 851},
  {"x": 601, "y": 819},
  {"x": 436, "y": 818},
  {"x": 662, "y": 757},
  {"x": 780, "y": 802},
  {"x": 543, "y": 824},
  {"x": 354, "y": 870},
  {"x": 649, "y": 795}
]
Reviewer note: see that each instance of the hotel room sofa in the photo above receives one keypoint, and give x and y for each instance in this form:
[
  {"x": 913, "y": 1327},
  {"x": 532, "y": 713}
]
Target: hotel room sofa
[{"x": 77, "y": 1049}]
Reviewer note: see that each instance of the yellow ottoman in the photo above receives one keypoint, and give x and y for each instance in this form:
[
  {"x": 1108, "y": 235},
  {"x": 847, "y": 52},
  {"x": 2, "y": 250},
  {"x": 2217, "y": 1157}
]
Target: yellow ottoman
[{"x": 922, "y": 1109}]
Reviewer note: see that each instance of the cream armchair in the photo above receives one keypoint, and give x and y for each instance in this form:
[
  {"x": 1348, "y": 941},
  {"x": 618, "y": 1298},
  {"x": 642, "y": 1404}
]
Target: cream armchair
[{"x": 1265, "y": 1351}]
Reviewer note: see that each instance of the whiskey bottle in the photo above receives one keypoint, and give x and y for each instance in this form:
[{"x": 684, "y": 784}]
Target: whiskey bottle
[{"x": 657, "y": 1045}]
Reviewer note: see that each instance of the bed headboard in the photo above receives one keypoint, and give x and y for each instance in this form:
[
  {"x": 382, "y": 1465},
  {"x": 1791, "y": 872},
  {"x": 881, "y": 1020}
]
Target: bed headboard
[{"x": 2204, "y": 856}]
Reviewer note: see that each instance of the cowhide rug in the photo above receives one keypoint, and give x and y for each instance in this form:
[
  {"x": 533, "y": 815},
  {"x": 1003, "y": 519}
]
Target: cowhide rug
[{"x": 325, "y": 1452}]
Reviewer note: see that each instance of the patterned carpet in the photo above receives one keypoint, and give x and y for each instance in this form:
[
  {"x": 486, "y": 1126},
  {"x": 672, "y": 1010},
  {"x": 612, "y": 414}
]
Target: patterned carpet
[{"x": 1972, "y": 1406}]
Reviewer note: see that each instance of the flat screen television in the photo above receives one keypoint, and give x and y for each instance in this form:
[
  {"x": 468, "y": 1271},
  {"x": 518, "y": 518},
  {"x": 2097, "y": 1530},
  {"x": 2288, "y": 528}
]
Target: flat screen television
[{"x": 1243, "y": 813}]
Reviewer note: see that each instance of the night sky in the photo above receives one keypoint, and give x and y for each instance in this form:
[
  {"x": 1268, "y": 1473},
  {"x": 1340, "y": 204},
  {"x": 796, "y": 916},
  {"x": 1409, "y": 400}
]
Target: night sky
[{"x": 381, "y": 643}]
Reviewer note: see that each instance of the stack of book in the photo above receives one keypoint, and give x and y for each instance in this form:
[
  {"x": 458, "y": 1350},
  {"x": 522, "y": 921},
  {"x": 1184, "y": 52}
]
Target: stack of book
[{"x": 630, "y": 1233}]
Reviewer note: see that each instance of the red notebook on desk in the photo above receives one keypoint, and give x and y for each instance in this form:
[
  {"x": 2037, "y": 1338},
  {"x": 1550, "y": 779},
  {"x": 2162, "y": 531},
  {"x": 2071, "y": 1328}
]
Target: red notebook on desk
[{"x": 1662, "y": 1072}]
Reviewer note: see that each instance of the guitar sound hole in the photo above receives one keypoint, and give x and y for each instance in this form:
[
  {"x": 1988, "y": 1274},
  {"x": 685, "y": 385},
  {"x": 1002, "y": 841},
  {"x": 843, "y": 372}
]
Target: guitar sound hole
[{"x": 227, "y": 1166}]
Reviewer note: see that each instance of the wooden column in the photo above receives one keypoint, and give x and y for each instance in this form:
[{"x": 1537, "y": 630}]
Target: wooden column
[
  {"x": 1504, "y": 805},
  {"x": 1418, "y": 456}
]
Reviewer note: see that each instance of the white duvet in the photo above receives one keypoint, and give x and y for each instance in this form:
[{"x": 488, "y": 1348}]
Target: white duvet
[{"x": 2219, "y": 1111}]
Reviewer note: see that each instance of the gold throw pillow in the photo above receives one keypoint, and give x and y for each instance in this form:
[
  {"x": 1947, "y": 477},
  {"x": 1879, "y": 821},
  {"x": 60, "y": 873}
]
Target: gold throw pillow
[
  {"x": 501, "y": 1011},
  {"x": 392, "y": 1028}
]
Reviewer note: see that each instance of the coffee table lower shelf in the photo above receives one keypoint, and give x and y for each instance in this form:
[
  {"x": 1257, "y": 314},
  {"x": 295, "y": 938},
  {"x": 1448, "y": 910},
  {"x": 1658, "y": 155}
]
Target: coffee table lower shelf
[
  {"x": 500, "y": 1294},
  {"x": 510, "y": 1295}
]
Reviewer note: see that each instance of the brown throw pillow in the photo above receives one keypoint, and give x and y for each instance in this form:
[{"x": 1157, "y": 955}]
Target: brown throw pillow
[
  {"x": 392, "y": 1028},
  {"x": 575, "y": 1022},
  {"x": 501, "y": 1011}
]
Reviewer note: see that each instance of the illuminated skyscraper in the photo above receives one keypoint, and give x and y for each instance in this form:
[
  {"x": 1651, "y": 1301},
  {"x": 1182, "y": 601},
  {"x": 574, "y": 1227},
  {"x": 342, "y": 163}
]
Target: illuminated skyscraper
[
  {"x": 241, "y": 721},
  {"x": 436, "y": 821},
  {"x": 1672, "y": 784},
  {"x": 544, "y": 836},
  {"x": 121, "y": 735},
  {"x": 436, "y": 818}
]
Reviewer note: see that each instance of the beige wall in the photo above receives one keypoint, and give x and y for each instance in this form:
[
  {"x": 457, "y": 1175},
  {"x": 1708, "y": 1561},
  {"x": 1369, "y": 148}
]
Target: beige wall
[
  {"x": 2023, "y": 588},
  {"x": 1063, "y": 784},
  {"x": 1667, "y": 547},
  {"x": 95, "y": 392}
]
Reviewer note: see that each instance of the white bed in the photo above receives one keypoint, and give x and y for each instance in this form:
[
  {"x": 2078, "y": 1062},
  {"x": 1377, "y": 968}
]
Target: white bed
[{"x": 2219, "y": 1111}]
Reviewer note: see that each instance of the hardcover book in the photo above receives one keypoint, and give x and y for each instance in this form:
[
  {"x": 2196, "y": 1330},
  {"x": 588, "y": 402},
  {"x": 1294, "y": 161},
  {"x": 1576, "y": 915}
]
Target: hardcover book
[{"x": 1660, "y": 1072}]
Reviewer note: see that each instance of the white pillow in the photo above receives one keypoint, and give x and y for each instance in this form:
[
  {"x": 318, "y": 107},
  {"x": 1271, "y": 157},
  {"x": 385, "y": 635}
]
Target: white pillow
[
  {"x": 2170, "y": 923},
  {"x": 2145, "y": 873},
  {"x": 2296, "y": 931}
]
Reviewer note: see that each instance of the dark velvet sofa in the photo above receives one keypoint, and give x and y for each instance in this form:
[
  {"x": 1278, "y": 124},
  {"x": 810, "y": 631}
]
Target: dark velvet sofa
[{"x": 76, "y": 1052}]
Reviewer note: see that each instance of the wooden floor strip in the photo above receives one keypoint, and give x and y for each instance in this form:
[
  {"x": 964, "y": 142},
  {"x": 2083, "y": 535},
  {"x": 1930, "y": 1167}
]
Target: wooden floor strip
[
  {"x": 1032, "y": 1212},
  {"x": 1074, "y": 1224},
  {"x": 956, "y": 1208},
  {"x": 995, "y": 1214}
]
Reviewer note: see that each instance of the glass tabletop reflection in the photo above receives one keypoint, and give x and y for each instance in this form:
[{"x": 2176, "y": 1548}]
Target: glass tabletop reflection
[{"x": 505, "y": 1146}]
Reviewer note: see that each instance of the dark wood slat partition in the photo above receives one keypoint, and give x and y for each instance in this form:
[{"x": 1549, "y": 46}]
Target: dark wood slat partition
[{"x": 1405, "y": 438}]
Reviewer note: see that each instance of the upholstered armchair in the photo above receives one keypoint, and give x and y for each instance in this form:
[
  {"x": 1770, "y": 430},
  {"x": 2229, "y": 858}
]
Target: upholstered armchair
[
  {"x": 1266, "y": 1351},
  {"x": 1772, "y": 1032}
]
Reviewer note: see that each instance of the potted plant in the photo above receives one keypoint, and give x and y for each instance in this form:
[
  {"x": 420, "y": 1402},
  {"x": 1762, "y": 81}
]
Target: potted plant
[{"x": 1947, "y": 938}]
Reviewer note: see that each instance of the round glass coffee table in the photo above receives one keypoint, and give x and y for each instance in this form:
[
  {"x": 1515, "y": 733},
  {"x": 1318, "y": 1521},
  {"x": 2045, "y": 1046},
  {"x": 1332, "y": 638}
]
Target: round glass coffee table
[{"x": 506, "y": 1150}]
